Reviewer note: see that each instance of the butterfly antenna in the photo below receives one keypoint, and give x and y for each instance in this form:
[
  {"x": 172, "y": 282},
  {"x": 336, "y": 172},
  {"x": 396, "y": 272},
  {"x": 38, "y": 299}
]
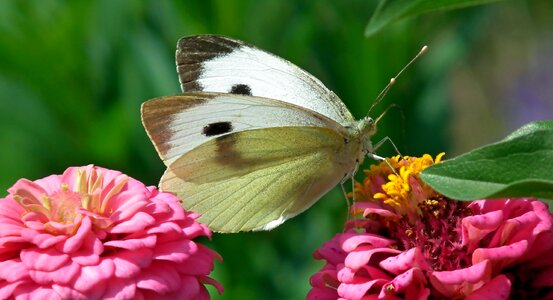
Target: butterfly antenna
[{"x": 393, "y": 79}]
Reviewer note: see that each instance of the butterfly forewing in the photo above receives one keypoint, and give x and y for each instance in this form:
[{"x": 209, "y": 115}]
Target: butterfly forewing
[
  {"x": 219, "y": 64},
  {"x": 178, "y": 124},
  {"x": 256, "y": 179}
]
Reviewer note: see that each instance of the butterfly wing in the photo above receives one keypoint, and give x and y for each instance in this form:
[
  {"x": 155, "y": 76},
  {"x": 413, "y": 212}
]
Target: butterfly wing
[
  {"x": 257, "y": 179},
  {"x": 219, "y": 64},
  {"x": 178, "y": 124}
]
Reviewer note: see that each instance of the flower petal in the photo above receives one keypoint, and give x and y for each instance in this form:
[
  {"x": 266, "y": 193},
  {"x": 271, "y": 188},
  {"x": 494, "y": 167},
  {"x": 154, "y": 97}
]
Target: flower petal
[
  {"x": 91, "y": 277},
  {"x": 13, "y": 270},
  {"x": 462, "y": 281},
  {"x": 412, "y": 258},
  {"x": 46, "y": 260},
  {"x": 498, "y": 288},
  {"x": 134, "y": 244},
  {"x": 137, "y": 222},
  {"x": 129, "y": 264},
  {"x": 161, "y": 278}
]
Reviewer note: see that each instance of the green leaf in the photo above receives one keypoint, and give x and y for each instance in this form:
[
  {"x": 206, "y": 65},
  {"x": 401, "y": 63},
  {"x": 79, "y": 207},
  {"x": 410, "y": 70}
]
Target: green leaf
[
  {"x": 390, "y": 11},
  {"x": 521, "y": 165}
]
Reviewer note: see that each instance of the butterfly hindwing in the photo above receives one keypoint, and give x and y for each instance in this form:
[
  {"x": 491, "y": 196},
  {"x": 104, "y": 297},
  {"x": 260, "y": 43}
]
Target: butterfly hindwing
[
  {"x": 256, "y": 179},
  {"x": 218, "y": 64}
]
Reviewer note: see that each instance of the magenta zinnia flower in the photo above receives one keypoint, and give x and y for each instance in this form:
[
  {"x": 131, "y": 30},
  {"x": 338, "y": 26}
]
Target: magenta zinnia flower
[
  {"x": 94, "y": 233},
  {"x": 406, "y": 241}
]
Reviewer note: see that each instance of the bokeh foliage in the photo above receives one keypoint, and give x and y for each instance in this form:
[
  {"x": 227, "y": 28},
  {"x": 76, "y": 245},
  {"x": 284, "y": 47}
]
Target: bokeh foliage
[{"x": 74, "y": 73}]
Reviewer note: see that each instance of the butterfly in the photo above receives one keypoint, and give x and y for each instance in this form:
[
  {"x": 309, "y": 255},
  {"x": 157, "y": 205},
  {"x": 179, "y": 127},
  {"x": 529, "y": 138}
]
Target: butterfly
[{"x": 254, "y": 140}]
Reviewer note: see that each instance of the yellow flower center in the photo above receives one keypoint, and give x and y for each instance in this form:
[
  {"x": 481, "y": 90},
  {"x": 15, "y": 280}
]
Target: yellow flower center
[{"x": 397, "y": 192}]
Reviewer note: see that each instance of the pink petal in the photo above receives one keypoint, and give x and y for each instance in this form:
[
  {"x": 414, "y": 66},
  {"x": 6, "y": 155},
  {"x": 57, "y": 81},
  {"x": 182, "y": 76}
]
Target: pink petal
[
  {"x": 189, "y": 288},
  {"x": 498, "y": 288},
  {"x": 177, "y": 251},
  {"x": 167, "y": 227},
  {"x": 462, "y": 281},
  {"x": 7, "y": 289},
  {"x": 134, "y": 244},
  {"x": 363, "y": 255},
  {"x": 31, "y": 191},
  {"x": 475, "y": 228},
  {"x": 92, "y": 276},
  {"x": 413, "y": 258},
  {"x": 89, "y": 253},
  {"x": 348, "y": 275},
  {"x": 138, "y": 222},
  {"x": 42, "y": 240},
  {"x": 67, "y": 292},
  {"x": 356, "y": 290},
  {"x": 161, "y": 278},
  {"x": 120, "y": 289},
  {"x": 8, "y": 229},
  {"x": 515, "y": 229},
  {"x": 412, "y": 283},
  {"x": 73, "y": 243},
  {"x": 200, "y": 263},
  {"x": 130, "y": 263},
  {"x": 350, "y": 241},
  {"x": 212, "y": 282},
  {"x": 46, "y": 260},
  {"x": 345, "y": 274},
  {"x": 126, "y": 207},
  {"x": 331, "y": 251},
  {"x": 50, "y": 184},
  {"x": 13, "y": 270},
  {"x": 43, "y": 294},
  {"x": 193, "y": 229},
  {"x": 369, "y": 207},
  {"x": 501, "y": 257},
  {"x": 63, "y": 275},
  {"x": 10, "y": 211}
]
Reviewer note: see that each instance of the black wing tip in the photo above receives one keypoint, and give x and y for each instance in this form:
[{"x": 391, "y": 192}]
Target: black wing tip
[{"x": 207, "y": 43}]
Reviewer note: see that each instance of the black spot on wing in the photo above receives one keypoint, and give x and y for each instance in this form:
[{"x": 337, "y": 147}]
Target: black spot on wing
[
  {"x": 217, "y": 128},
  {"x": 241, "y": 89}
]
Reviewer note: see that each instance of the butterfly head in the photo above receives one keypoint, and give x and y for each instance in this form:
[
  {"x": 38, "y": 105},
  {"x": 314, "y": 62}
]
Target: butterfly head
[{"x": 366, "y": 128}]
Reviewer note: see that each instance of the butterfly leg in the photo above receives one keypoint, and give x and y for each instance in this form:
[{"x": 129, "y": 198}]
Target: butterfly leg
[
  {"x": 382, "y": 141},
  {"x": 380, "y": 158},
  {"x": 349, "y": 176},
  {"x": 378, "y": 145}
]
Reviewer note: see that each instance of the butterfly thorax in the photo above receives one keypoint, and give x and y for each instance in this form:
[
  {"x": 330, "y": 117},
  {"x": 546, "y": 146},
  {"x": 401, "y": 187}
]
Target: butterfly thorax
[{"x": 366, "y": 129}]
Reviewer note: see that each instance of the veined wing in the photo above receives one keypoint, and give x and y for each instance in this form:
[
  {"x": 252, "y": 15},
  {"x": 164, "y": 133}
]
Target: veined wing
[
  {"x": 219, "y": 64},
  {"x": 177, "y": 124},
  {"x": 257, "y": 179}
]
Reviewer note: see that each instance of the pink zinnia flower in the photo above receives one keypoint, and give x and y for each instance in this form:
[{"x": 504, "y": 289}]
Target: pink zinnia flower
[
  {"x": 406, "y": 241},
  {"x": 94, "y": 233}
]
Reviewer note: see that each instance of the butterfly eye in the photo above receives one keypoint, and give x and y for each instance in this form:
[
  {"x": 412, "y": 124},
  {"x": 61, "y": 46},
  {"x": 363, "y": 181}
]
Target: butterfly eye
[{"x": 371, "y": 125}]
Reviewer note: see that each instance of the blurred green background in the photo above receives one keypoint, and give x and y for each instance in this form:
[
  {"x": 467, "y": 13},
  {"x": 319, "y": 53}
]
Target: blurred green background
[{"x": 74, "y": 73}]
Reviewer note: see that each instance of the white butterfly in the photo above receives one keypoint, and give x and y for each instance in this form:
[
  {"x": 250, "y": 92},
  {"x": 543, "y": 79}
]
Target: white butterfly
[{"x": 254, "y": 140}]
